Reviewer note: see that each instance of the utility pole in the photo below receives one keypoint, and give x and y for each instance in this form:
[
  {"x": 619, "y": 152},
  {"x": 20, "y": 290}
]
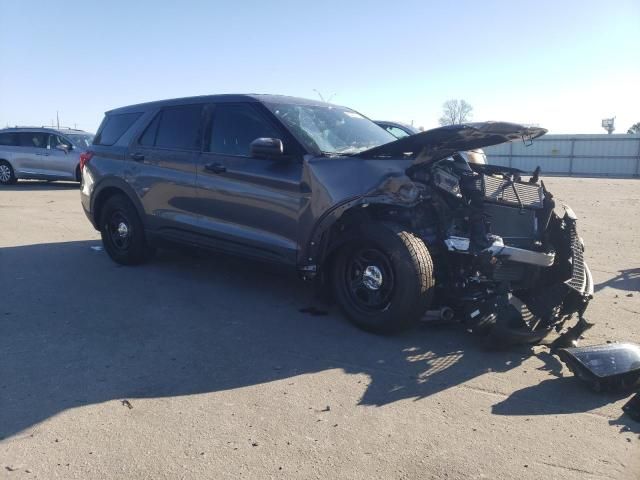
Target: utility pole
[{"x": 57, "y": 120}]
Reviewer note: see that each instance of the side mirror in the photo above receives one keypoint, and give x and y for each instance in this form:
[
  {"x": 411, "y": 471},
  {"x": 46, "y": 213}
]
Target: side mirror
[
  {"x": 266, "y": 148},
  {"x": 63, "y": 147}
]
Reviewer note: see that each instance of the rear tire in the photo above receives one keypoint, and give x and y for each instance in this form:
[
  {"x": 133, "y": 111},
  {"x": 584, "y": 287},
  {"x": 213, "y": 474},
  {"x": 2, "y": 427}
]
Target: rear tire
[
  {"x": 7, "y": 175},
  {"x": 122, "y": 232},
  {"x": 384, "y": 279}
]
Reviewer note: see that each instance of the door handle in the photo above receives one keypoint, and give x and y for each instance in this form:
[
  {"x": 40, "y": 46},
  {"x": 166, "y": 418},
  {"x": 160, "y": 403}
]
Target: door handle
[
  {"x": 138, "y": 157},
  {"x": 215, "y": 167}
]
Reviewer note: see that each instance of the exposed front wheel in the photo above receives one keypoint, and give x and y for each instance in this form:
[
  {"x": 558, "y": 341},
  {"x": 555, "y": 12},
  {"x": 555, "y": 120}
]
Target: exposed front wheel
[
  {"x": 7, "y": 175},
  {"x": 383, "y": 280},
  {"x": 123, "y": 233}
]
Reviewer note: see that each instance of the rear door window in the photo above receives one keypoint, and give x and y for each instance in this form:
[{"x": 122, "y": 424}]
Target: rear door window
[
  {"x": 148, "y": 138},
  {"x": 177, "y": 128},
  {"x": 235, "y": 126},
  {"x": 33, "y": 139},
  {"x": 113, "y": 127}
]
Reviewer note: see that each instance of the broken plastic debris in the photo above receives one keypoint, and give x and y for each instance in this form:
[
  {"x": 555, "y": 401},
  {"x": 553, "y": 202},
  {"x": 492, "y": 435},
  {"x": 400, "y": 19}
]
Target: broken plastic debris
[{"x": 614, "y": 366}]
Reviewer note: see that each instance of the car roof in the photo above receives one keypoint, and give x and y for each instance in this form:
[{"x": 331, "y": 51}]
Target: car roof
[
  {"x": 62, "y": 131},
  {"x": 227, "y": 97}
]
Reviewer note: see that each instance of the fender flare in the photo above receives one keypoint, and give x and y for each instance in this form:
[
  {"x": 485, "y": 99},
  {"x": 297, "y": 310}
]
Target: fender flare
[
  {"x": 118, "y": 184},
  {"x": 314, "y": 251}
]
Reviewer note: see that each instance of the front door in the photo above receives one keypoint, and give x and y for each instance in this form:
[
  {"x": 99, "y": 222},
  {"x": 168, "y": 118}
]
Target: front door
[
  {"x": 61, "y": 162},
  {"x": 249, "y": 205}
]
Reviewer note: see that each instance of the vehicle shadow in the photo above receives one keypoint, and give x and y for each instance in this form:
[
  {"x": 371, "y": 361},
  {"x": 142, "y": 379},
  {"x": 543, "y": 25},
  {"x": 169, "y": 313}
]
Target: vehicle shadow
[
  {"x": 37, "y": 185},
  {"x": 77, "y": 329},
  {"x": 628, "y": 279},
  {"x": 551, "y": 399}
]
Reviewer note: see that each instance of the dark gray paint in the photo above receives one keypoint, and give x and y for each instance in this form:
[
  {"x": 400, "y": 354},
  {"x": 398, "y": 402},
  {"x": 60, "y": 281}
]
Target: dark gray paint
[{"x": 265, "y": 208}]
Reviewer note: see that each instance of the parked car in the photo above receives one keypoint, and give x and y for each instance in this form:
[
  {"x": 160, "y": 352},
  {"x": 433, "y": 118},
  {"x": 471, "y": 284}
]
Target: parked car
[
  {"x": 41, "y": 153},
  {"x": 397, "y": 129},
  {"x": 393, "y": 226}
]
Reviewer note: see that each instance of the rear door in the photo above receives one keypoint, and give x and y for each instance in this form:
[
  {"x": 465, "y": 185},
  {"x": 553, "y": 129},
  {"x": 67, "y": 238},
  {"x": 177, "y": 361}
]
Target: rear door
[
  {"x": 31, "y": 157},
  {"x": 249, "y": 205},
  {"x": 163, "y": 168}
]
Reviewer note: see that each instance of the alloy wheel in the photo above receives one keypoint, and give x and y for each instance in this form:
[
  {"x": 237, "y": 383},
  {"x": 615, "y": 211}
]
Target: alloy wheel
[{"x": 5, "y": 173}]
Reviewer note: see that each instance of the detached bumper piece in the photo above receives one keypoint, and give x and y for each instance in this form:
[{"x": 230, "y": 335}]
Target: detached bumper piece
[{"x": 610, "y": 367}]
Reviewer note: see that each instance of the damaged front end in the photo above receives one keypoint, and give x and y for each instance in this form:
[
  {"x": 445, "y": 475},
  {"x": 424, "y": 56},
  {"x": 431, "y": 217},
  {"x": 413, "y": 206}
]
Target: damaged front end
[
  {"x": 515, "y": 265},
  {"x": 508, "y": 261}
]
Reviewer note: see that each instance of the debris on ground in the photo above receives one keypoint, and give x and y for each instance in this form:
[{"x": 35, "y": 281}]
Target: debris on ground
[
  {"x": 127, "y": 404},
  {"x": 632, "y": 407},
  {"x": 609, "y": 367}
]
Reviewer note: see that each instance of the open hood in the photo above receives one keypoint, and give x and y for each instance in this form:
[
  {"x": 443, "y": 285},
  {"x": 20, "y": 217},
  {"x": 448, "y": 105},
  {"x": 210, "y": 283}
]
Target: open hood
[{"x": 444, "y": 141}]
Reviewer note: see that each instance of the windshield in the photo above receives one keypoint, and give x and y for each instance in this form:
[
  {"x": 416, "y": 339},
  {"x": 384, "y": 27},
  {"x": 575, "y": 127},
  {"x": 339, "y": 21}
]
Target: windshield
[
  {"x": 81, "y": 140},
  {"x": 331, "y": 129}
]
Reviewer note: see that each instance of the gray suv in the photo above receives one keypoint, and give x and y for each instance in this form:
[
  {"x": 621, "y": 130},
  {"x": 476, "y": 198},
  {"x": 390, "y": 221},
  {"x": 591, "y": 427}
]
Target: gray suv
[
  {"x": 41, "y": 153},
  {"x": 391, "y": 226}
]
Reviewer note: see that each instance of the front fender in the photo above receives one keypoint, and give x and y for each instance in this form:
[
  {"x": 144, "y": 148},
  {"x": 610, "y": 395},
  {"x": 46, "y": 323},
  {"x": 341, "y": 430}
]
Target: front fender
[{"x": 314, "y": 250}]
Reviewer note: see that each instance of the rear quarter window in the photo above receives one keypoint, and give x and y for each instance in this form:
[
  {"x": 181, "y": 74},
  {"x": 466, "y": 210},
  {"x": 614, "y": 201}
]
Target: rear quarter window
[{"x": 113, "y": 127}]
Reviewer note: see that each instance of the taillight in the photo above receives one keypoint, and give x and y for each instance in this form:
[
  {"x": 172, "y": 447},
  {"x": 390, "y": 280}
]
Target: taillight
[{"x": 85, "y": 157}]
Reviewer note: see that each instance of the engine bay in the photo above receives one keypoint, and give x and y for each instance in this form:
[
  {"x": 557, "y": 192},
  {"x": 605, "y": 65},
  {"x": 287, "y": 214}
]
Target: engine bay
[{"x": 508, "y": 261}]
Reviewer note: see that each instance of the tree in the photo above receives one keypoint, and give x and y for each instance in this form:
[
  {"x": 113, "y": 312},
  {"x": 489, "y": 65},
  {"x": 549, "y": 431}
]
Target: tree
[
  {"x": 635, "y": 128},
  {"x": 455, "y": 112}
]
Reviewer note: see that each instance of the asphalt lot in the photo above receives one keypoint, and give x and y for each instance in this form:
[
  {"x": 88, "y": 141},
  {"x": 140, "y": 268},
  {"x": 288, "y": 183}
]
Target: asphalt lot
[{"x": 202, "y": 366}]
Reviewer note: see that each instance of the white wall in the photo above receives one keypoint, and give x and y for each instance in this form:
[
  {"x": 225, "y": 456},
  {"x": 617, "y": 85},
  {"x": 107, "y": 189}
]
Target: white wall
[{"x": 580, "y": 155}]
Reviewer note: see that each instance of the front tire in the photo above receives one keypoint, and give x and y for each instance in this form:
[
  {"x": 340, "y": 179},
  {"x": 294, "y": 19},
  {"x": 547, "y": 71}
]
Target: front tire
[
  {"x": 383, "y": 280},
  {"x": 7, "y": 175},
  {"x": 122, "y": 232}
]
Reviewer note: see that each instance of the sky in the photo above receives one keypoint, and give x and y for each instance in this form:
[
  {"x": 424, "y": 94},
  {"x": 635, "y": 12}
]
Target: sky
[{"x": 563, "y": 65}]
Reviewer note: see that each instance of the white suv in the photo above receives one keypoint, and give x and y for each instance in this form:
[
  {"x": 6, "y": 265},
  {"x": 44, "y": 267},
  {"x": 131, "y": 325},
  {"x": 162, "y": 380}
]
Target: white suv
[{"x": 41, "y": 153}]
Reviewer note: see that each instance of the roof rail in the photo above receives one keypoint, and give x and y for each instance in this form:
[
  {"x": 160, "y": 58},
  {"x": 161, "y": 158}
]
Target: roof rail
[{"x": 51, "y": 127}]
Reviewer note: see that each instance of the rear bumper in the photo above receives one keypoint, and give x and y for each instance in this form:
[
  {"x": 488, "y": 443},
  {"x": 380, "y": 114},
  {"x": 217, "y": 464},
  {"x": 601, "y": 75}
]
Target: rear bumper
[{"x": 86, "y": 196}]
